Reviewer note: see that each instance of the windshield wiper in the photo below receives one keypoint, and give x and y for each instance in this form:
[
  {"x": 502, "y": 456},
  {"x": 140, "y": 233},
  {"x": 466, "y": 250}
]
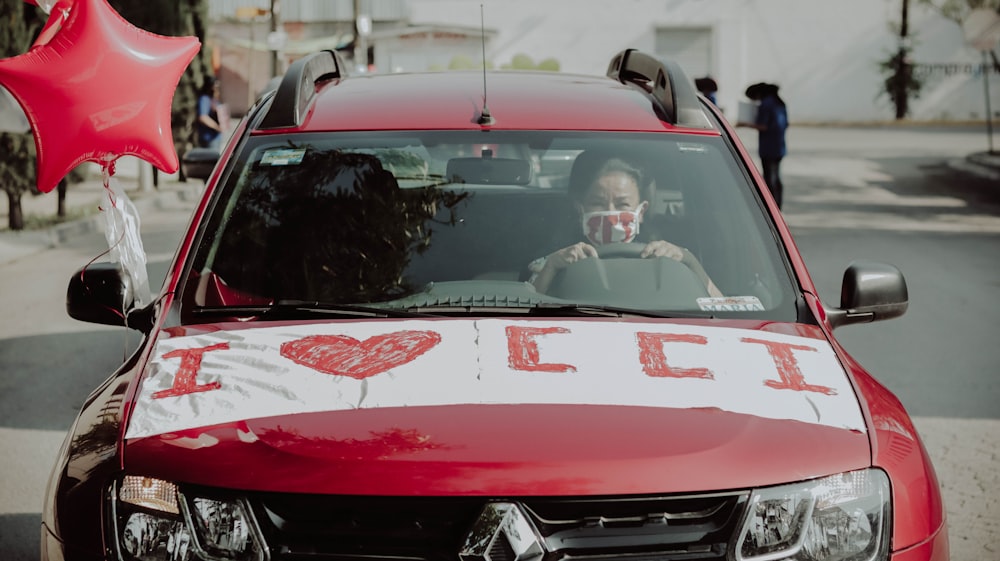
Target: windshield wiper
[
  {"x": 564, "y": 310},
  {"x": 292, "y": 309}
]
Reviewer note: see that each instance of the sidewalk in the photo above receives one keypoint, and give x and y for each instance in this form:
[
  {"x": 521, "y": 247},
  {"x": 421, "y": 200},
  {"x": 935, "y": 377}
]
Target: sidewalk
[
  {"x": 983, "y": 164},
  {"x": 83, "y": 215},
  {"x": 83, "y": 201}
]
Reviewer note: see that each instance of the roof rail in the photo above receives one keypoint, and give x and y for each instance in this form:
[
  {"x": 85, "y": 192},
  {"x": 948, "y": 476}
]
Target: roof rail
[
  {"x": 665, "y": 82},
  {"x": 298, "y": 87}
]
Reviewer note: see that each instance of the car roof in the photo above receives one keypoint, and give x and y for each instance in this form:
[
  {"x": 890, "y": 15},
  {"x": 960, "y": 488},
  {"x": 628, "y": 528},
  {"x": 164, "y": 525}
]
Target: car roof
[{"x": 317, "y": 96}]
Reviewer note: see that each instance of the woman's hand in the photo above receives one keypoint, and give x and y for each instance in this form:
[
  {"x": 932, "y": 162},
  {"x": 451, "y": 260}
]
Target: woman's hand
[
  {"x": 660, "y": 248},
  {"x": 559, "y": 260},
  {"x": 566, "y": 256},
  {"x": 569, "y": 255}
]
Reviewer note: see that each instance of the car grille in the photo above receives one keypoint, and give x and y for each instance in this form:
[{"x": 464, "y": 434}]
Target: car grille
[{"x": 344, "y": 528}]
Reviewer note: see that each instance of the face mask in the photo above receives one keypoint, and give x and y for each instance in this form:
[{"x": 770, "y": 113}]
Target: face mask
[{"x": 611, "y": 226}]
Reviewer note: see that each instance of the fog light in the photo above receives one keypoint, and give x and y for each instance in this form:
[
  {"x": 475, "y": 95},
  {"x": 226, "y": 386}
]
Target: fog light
[{"x": 151, "y": 493}]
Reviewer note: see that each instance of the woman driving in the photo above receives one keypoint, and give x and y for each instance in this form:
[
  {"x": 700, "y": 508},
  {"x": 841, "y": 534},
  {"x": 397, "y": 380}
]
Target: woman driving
[{"x": 610, "y": 196}]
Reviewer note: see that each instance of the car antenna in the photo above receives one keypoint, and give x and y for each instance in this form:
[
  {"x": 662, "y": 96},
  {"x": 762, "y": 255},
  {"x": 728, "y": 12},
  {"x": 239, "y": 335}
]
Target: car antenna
[{"x": 484, "y": 118}]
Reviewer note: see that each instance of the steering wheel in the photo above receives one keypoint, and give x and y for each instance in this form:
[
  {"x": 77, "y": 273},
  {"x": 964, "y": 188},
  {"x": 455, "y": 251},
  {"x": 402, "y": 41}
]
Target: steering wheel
[
  {"x": 630, "y": 280},
  {"x": 620, "y": 250}
]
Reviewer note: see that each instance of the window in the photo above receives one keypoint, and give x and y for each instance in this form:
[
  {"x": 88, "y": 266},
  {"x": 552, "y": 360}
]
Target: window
[{"x": 449, "y": 218}]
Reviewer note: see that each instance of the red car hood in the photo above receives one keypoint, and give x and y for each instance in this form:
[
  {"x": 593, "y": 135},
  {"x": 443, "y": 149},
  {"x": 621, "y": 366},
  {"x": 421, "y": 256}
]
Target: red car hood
[{"x": 495, "y": 407}]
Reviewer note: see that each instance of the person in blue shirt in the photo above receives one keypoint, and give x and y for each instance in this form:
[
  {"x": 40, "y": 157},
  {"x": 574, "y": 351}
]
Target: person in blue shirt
[
  {"x": 209, "y": 129},
  {"x": 771, "y": 124},
  {"x": 708, "y": 88}
]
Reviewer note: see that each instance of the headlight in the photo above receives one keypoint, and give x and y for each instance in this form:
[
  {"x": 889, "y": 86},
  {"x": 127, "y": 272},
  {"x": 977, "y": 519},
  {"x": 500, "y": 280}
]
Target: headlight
[
  {"x": 153, "y": 520},
  {"x": 844, "y": 517}
]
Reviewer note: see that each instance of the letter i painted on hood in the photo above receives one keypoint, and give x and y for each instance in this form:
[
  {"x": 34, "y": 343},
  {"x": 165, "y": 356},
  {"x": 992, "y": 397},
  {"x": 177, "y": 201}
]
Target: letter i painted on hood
[
  {"x": 788, "y": 367},
  {"x": 185, "y": 381}
]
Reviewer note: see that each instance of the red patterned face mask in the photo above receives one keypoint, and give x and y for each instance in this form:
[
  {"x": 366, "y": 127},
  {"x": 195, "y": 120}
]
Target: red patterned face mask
[{"x": 611, "y": 226}]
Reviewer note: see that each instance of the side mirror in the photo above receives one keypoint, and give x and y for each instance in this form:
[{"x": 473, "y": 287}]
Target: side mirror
[
  {"x": 199, "y": 162},
  {"x": 870, "y": 291},
  {"x": 99, "y": 293}
]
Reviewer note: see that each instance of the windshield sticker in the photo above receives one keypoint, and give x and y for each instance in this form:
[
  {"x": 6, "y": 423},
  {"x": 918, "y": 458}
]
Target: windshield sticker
[
  {"x": 689, "y": 147},
  {"x": 731, "y": 304},
  {"x": 283, "y": 157},
  {"x": 230, "y": 376}
]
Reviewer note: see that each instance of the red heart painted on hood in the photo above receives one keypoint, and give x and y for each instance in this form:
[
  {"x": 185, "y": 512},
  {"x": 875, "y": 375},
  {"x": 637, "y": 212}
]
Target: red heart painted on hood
[{"x": 346, "y": 356}]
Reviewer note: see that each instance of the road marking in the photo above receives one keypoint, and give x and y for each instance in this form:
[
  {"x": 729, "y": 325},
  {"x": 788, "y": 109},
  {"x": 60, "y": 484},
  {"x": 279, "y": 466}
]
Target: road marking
[
  {"x": 849, "y": 193},
  {"x": 856, "y": 200},
  {"x": 876, "y": 197},
  {"x": 866, "y": 220}
]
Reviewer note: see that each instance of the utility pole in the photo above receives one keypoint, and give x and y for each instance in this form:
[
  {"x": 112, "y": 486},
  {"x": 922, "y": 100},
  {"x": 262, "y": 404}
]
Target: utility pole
[
  {"x": 357, "y": 32},
  {"x": 903, "y": 65},
  {"x": 362, "y": 27},
  {"x": 275, "y": 26}
]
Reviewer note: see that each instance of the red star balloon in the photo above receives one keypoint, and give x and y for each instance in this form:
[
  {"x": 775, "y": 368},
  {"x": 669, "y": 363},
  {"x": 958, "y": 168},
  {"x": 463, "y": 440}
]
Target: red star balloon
[{"x": 99, "y": 88}]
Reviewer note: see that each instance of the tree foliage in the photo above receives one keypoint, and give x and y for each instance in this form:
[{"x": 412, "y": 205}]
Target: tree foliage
[
  {"x": 522, "y": 61},
  {"x": 21, "y": 22},
  {"x": 958, "y": 10},
  {"x": 901, "y": 82},
  {"x": 463, "y": 62},
  {"x": 176, "y": 18}
]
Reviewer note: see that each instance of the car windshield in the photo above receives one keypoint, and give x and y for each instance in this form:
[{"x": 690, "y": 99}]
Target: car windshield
[{"x": 468, "y": 221}]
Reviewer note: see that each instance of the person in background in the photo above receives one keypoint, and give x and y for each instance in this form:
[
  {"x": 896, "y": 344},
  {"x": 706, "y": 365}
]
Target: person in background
[
  {"x": 209, "y": 129},
  {"x": 610, "y": 197},
  {"x": 708, "y": 88},
  {"x": 771, "y": 123}
]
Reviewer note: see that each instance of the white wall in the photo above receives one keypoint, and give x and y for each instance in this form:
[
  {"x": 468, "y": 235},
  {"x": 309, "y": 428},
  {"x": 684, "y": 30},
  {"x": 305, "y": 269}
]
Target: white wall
[{"x": 823, "y": 54}]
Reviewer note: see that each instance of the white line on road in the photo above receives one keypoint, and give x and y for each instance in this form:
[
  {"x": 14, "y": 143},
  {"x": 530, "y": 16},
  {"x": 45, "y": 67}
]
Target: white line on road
[{"x": 862, "y": 220}]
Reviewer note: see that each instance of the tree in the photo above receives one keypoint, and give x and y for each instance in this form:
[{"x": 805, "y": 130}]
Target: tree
[
  {"x": 549, "y": 65},
  {"x": 901, "y": 82},
  {"x": 176, "y": 18},
  {"x": 958, "y": 10},
  {"x": 463, "y": 62},
  {"x": 22, "y": 22},
  {"x": 522, "y": 61}
]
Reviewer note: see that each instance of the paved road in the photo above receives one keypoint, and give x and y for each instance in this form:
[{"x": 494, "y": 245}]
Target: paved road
[
  {"x": 50, "y": 362},
  {"x": 891, "y": 195},
  {"x": 880, "y": 193}
]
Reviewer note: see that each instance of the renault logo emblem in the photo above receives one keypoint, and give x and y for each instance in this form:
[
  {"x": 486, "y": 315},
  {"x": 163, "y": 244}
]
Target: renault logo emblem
[{"x": 502, "y": 533}]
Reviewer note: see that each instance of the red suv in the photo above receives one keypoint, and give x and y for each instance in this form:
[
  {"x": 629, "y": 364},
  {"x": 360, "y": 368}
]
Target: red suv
[{"x": 510, "y": 316}]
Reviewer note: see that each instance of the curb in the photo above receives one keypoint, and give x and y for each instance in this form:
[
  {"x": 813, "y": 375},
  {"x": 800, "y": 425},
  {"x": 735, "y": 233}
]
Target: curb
[
  {"x": 974, "y": 166},
  {"x": 17, "y": 245}
]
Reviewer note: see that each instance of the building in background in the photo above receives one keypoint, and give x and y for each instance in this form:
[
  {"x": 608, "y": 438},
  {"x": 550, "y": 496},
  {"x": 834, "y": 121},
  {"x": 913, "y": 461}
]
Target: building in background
[
  {"x": 248, "y": 52},
  {"x": 825, "y": 55}
]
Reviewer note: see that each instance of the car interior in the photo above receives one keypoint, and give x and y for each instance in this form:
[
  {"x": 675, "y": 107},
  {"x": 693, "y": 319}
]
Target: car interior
[{"x": 430, "y": 223}]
